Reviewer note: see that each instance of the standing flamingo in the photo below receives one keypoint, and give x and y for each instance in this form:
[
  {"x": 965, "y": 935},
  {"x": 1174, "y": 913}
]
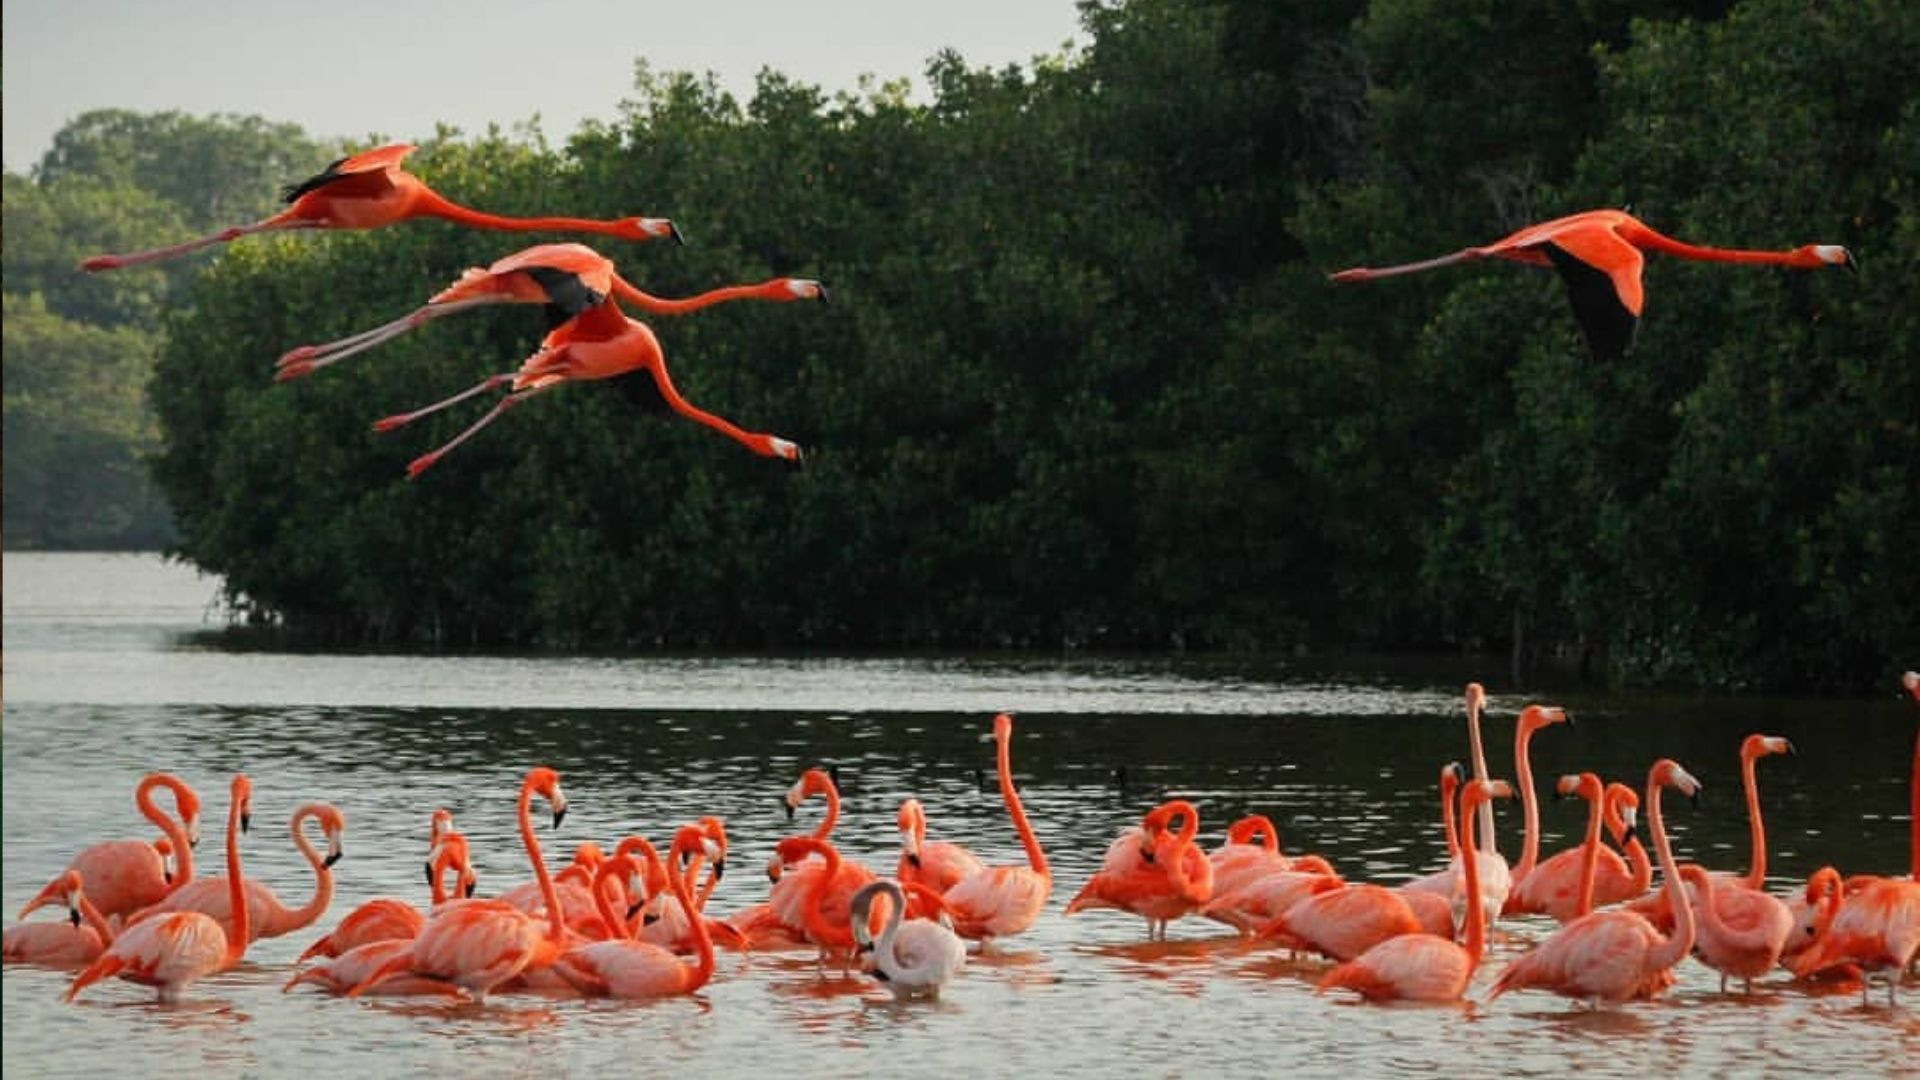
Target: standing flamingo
[
  {"x": 630, "y": 969},
  {"x": 1560, "y": 875},
  {"x": 269, "y": 916},
  {"x": 74, "y": 941},
  {"x": 999, "y": 901},
  {"x": 1599, "y": 256},
  {"x": 1251, "y": 850},
  {"x": 1740, "y": 931},
  {"x": 124, "y": 876},
  {"x": 914, "y": 958},
  {"x": 476, "y": 946},
  {"x": 939, "y": 864},
  {"x": 828, "y": 902},
  {"x": 1656, "y": 907},
  {"x": 172, "y": 950},
  {"x": 570, "y": 279},
  {"x": 369, "y": 190},
  {"x": 1422, "y": 967},
  {"x": 1553, "y": 889},
  {"x": 387, "y": 919},
  {"x": 1613, "y": 955},
  {"x": 1152, "y": 873},
  {"x": 782, "y": 919},
  {"x": 1445, "y": 881},
  {"x": 602, "y": 343}
]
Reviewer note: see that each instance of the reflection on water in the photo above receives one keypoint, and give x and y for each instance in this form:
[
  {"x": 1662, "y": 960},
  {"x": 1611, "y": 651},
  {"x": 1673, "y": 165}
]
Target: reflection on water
[{"x": 1346, "y": 769}]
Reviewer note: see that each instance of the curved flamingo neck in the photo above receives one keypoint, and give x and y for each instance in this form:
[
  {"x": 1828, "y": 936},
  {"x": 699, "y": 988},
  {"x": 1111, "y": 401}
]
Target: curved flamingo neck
[
  {"x": 1036, "y": 858},
  {"x": 446, "y": 860},
  {"x": 659, "y": 305},
  {"x": 1676, "y": 947},
  {"x": 322, "y": 898},
  {"x": 556, "y": 915},
  {"x": 603, "y": 880},
  {"x": 1590, "y": 858},
  {"x": 896, "y": 914},
  {"x": 1476, "y": 699},
  {"x": 236, "y": 887},
  {"x": 175, "y": 831},
  {"x": 1640, "y": 235},
  {"x": 431, "y": 203},
  {"x": 702, "y": 969},
  {"x": 1470, "y": 801},
  {"x": 1529, "y": 802},
  {"x": 832, "y": 792},
  {"x": 823, "y": 931},
  {"x": 93, "y": 917},
  {"x": 1244, "y": 830},
  {"x": 1448, "y": 788}
]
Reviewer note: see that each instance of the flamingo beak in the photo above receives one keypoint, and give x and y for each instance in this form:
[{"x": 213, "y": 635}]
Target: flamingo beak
[
  {"x": 332, "y": 857},
  {"x": 73, "y": 916},
  {"x": 1632, "y": 833},
  {"x": 429, "y": 869},
  {"x": 1848, "y": 260},
  {"x": 635, "y": 907},
  {"x": 472, "y": 887},
  {"x": 559, "y": 815},
  {"x": 246, "y": 821},
  {"x": 825, "y": 297},
  {"x": 719, "y": 869},
  {"x": 673, "y": 230},
  {"x": 881, "y": 975},
  {"x": 650, "y": 918},
  {"x": 167, "y": 876}
]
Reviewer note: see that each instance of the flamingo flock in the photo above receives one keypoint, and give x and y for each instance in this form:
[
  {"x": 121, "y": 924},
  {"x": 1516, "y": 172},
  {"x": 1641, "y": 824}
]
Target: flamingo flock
[{"x": 635, "y": 925}]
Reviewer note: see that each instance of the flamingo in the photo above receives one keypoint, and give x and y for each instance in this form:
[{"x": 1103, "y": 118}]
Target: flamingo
[
  {"x": 601, "y": 343},
  {"x": 1613, "y": 955},
  {"x": 170, "y": 951},
  {"x": 1423, "y": 967},
  {"x": 1157, "y": 875},
  {"x": 74, "y": 941},
  {"x": 1553, "y": 888},
  {"x": 1740, "y": 932},
  {"x": 269, "y": 916},
  {"x": 1443, "y": 882},
  {"x": 124, "y": 876},
  {"x": 630, "y": 969},
  {"x": 1000, "y": 901},
  {"x": 570, "y": 279},
  {"x": 387, "y": 919},
  {"x": 666, "y": 922},
  {"x": 1656, "y": 907},
  {"x": 828, "y": 901},
  {"x": 939, "y": 864},
  {"x": 1251, "y": 850},
  {"x": 1876, "y": 929},
  {"x": 1344, "y": 922},
  {"x": 478, "y": 945},
  {"x": 369, "y": 190},
  {"x": 1599, "y": 256},
  {"x": 1260, "y": 901},
  {"x": 782, "y": 920},
  {"x": 915, "y": 958}
]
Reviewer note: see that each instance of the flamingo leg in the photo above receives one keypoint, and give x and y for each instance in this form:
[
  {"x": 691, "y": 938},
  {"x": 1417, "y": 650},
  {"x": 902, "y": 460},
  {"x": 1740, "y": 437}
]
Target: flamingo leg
[
  {"x": 492, "y": 382},
  {"x": 1363, "y": 273},
  {"x": 310, "y": 358},
  {"x": 115, "y": 262},
  {"x": 427, "y": 460}
]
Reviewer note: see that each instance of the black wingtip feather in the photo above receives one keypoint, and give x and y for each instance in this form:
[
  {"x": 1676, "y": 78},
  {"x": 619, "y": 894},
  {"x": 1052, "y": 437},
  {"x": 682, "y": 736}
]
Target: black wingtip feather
[{"x": 1607, "y": 324}]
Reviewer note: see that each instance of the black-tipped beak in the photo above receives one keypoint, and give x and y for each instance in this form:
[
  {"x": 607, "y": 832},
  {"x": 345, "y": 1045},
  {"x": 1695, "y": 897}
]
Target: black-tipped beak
[
  {"x": 1558, "y": 794},
  {"x": 634, "y": 908},
  {"x": 719, "y": 869},
  {"x": 246, "y": 822},
  {"x": 866, "y": 947},
  {"x": 73, "y": 916},
  {"x": 788, "y": 807},
  {"x": 825, "y": 297},
  {"x": 1791, "y": 752},
  {"x": 472, "y": 887},
  {"x": 1695, "y": 798},
  {"x": 429, "y": 867},
  {"x": 332, "y": 857},
  {"x": 1632, "y": 833},
  {"x": 1146, "y": 856},
  {"x": 559, "y": 816},
  {"x": 650, "y": 918},
  {"x": 881, "y": 975},
  {"x": 1852, "y": 263},
  {"x": 168, "y": 876},
  {"x": 673, "y": 228},
  {"x": 1568, "y": 715},
  {"x": 914, "y": 861}
]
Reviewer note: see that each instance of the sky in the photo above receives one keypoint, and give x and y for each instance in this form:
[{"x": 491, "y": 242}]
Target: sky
[{"x": 354, "y": 68}]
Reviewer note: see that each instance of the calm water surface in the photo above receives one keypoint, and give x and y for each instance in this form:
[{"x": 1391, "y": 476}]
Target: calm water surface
[{"x": 104, "y": 680}]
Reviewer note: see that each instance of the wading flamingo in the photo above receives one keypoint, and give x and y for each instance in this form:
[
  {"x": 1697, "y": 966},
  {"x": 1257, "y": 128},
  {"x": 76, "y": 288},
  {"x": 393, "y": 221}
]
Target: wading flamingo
[
  {"x": 1599, "y": 256},
  {"x": 569, "y": 279},
  {"x": 602, "y": 343},
  {"x": 631, "y": 969},
  {"x": 1251, "y": 850},
  {"x": 999, "y": 901},
  {"x": 74, "y": 941},
  {"x": 937, "y": 864},
  {"x": 1158, "y": 875},
  {"x": 1444, "y": 882},
  {"x": 269, "y": 916},
  {"x": 1264, "y": 899},
  {"x": 124, "y": 876},
  {"x": 916, "y": 957},
  {"x": 170, "y": 951},
  {"x": 478, "y": 945},
  {"x": 1876, "y": 929},
  {"x": 1561, "y": 874},
  {"x": 1740, "y": 931},
  {"x": 665, "y": 922},
  {"x": 782, "y": 920},
  {"x": 1422, "y": 967},
  {"x": 369, "y": 190},
  {"x": 828, "y": 902},
  {"x": 1553, "y": 889},
  {"x": 1344, "y": 922},
  {"x": 1657, "y": 906},
  {"x": 387, "y": 919},
  {"x": 1610, "y": 956}
]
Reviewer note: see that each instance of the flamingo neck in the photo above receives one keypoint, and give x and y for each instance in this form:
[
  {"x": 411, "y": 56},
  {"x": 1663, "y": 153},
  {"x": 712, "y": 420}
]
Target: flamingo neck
[
  {"x": 1643, "y": 237},
  {"x": 1447, "y": 791},
  {"x": 1175, "y": 854},
  {"x": 236, "y": 887},
  {"x": 1589, "y": 860},
  {"x": 603, "y": 881},
  {"x": 1756, "y": 830},
  {"x": 322, "y": 898},
  {"x": 176, "y": 832},
  {"x": 896, "y": 914},
  {"x": 430, "y": 203},
  {"x": 823, "y": 931},
  {"x": 702, "y": 969},
  {"x": 94, "y": 919},
  {"x": 1705, "y": 910},
  {"x": 1529, "y": 803},
  {"x": 1470, "y": 867},
  {"x": 659, "y": 305},
  {"x": 556, "y": 915},
  {"x": 1036, "y": 858},
  {"x": 442, "y": 863},
  {"x": 827, "y": 823},
  {"x": 1269, "y": 836},
  {"x": 1487, "y": 834},
  {"x": 1676, "y": 947}
]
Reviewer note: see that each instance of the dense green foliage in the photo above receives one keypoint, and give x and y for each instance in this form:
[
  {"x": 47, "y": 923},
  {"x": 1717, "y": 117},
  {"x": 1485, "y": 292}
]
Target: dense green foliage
[
  {"x": 80, "y": 348},
  {"x": 1084, "y": 383}
]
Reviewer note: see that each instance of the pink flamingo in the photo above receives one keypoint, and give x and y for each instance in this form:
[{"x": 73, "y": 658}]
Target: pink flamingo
[
  {"x": 476, "y": 946},
  {"x": 171, "y": 951},
  {"x": 1344, "y": 922},
  {"x": 1251, "y": 850},
  {"x": 630, "y": 969},
  {"x": 1561, "y": 874},
  {"x": 999, "y": 901},
  {"x": 1553, "y": 889},
  {"x": 828, "y": 903},
  {"x": 369, "y": 190},
  {"x": 124, "y": 876},
  {"x": 665, "y": 922},
  {"x": 782, "y": 920},
  {"x": 1741, "y": 931},
  {"x": 269, "y": 916},
  {"x": 1613, "y": 955},
  {"x": 74, "y": 941},
  {"x": 1262, "y": 900},
  {"x": 1532, "y": 718},
  {"x": 1152, "y": 873},
  {"x": 1422, "y": 967},
  {"x": 1657, "y": 906},
  {"x": 938, "y": 864},
  {"x": 569, "y": 279},
  {"x": 387, "y": 919}
]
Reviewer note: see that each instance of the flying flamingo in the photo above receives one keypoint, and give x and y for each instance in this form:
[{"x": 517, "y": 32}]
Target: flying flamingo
[
  {"x": 569, "y": 279},
  {"x": 269, "y": 916},
  {"x": 1656, "y": 907},
  {"x": 630, "y": 969},
  {"x": 914, "y": 958},
  {"x": 1599, "y": 256},
  {"x": 938, "y": 864},
  {"x": 172, "y": 950},
  {"x": 476, "y": 946},
  {"x": 999, "y": 901},
  {"x": 1152, "y": 873},
  {"x": 124, "y": 876},
  {"x": 1612, "y": 955},
  {"x": 368, "y": 190},
  {"x": 1553, "y": 889},
  {"x": 74, "y": 941},
  {"x": 387, "y": 919},
  {"x": 1422, "y": 967},
  {"x": 602, "y": 343}
]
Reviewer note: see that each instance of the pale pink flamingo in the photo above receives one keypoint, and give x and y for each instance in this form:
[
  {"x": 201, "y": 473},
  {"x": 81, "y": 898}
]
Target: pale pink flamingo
[
  {"x": 124, "y": 876},
  {"x": 270, "y": 917},
  {"x": 1561, "y": 874},
  {"x": 1553, "y": 889},
  {"x": 1423, "y": 967},
  {"x": 170, "y": 951},
  {"x": 999, "y": 901},
  {"x": 1260, "y": 901},
  {"x": 916, "y": 957},
  {"x": 1444, "y": 881},
  {"x": 1532, "y": 718},
  {"x": 1740, "y": 931},
  {"x": 1251, "y": 850},
  {"x": 74, "y": 941},
  {"x": 630, "y": 969},
  {"x": 1344, "y": 922},
  {"x": 476, "y": 946},
  {"x": 937, "y": 864},
  {"x": 1657, "y": 906},
  {"x": 568, "y": 278},
  {"x": 1152, "y": 873},
  {"x": 1614, "y": 955},
  {"x": 387, "y": 919},
  {"x": 368, "y": 190}
]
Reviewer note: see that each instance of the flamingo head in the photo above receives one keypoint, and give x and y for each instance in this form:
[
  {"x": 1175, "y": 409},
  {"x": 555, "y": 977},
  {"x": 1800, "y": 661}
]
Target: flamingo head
[
  {"x": 794, "y": 288},
  {"x": 1003, "y": 727},
  {"x": 545, "y": 782},
  {"x": 1535, "y": 717},
  {"x": 1668, "y": 773},
  {"x": 1452, "y": 775},
  {"x": 243, "y": 800},
  {"x": 913, "y": 825},
  {"x": 1476, "y": 697},
  {"x": 1623, "y": 805},
  {"x": 1480, "y": 791},
  {"x": 649, "y": 228},
  {"x": 1830, "y": 255},
  {"x": 164, "y": 847},
  {"x": 442, "y": 822},
  {"x": 1759, "y": 746},
  {"x": 332, "y": 823},
  {"x": 1911, "y": 681},
  {"x": 774, "y": 446},
  {"x": 716, "y": 831}
]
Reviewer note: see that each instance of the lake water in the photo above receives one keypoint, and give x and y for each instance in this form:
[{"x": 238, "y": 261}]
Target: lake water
[{"x": 108, "y": 675}]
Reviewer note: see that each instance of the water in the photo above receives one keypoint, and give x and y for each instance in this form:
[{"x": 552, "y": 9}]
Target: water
[{"x": 105, "y": 679}]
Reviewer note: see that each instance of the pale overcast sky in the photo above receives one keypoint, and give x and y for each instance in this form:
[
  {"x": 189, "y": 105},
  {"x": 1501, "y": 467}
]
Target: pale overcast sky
[{"x": 395, "y": 67}]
